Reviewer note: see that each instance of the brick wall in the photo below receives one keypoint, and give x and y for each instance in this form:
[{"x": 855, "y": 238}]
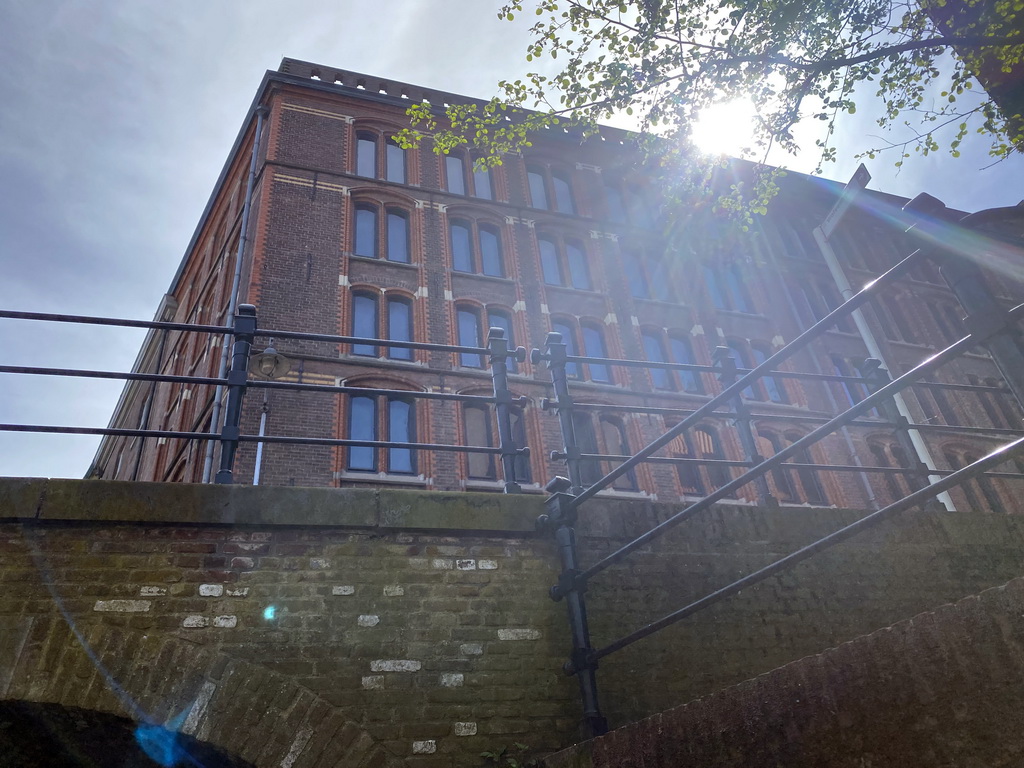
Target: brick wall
[{"x": 422, "y": 619}]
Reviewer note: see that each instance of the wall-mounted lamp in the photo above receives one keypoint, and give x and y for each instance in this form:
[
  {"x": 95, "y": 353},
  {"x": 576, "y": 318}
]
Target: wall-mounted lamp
[{"x": 269, "y": 364}]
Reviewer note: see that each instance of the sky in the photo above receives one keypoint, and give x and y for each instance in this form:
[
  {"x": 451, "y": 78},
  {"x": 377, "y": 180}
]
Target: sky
[{"x": 116, "y": 118}]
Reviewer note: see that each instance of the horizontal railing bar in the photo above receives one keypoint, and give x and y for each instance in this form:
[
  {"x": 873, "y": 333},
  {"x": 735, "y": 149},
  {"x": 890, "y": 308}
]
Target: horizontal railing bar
[
  {"x": 781, "y": 356},
  {"x": 170, "y": 434},
  {"x": 725, "y": 414},
  {"x": 784, "y": 465},
  {"x": 79, "y": 373},
  {"x": 711, "y": 369},
  {"x": 803, "y": 443},
  {"x": 966, "y": 430},
  {"x": 962, "y": 387},
  {"x": 360, "y": 341},
  {"x": 997, "y": 457},
  {"x": 310, "y": 387},
  {"x": 221, "y": 329},
  {"x": 287, "y": 385},
  {"x": 116, "y": 321}
]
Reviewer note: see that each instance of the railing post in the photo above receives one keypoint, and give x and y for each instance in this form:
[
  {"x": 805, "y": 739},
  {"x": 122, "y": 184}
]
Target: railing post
[
  {"x": 499, "y": 354},
  {"x": 244, "y": 330},
  {"x": 555, "y": 354},
  {"x": 559, "y": 520},
  {"x": 723, "y": 360}
]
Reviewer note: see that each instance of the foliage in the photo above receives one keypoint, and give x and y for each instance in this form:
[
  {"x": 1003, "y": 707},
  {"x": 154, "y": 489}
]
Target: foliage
[
  {"x": 664, "y": 61},
  {"x": 514, "y": 758}
]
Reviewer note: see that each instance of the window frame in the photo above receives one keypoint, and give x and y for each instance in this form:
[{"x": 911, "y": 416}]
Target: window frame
[
  {"x": 385, "y": 244},
  {"x": 382, "y": 323},
  {"x": 381, "y": 422},
  {"x": 571, "y": 271},
  {"x": 477, "y": 253}
]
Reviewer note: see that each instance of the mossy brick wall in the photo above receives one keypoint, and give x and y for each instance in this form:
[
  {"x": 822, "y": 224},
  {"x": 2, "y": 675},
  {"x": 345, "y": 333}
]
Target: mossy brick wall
[
  {"x": 421, "y": 619},
  {"x": 945, "y": 688}
]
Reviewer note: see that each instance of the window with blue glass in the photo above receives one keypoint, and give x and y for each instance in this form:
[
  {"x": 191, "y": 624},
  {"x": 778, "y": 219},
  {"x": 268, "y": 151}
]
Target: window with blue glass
[
  {"x": 394, "y": 163},
  {"x": 593, "y": 346},
  {"x": 366, "y": 154},
  {"x": 364, "y": 322},
  {"x": 564, "y": 262},
  {"x": 568, "y": 333},
  {"x": 725, "y": 284},
  {"x": 682, "y": 352},
  {"x": 476, "y": 248},
  {"x": 499, "y": 318},
  {"x": 654, "y": 351},
  {"x": 455, "y": 173},
  {"x": 535, "y": 178},
  {"x": 399, "y": 326},
  {"x": 398, "y": 236},
  {"x": 369, "y": 417},
  {"x": 761, "y": 351},
  {"x": 365, "y": 239},
  {"x": 468, "y": 323}
]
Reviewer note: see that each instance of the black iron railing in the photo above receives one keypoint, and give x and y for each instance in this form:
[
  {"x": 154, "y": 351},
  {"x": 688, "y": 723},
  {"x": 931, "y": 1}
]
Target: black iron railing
[
  {"x": 244, "y": 331},
  {"x": 988, "y": 324}
]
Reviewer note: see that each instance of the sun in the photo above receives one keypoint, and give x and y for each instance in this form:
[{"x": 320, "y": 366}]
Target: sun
[{"x": 726, "y": 128}]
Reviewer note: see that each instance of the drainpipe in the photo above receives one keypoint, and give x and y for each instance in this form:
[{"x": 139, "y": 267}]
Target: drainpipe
[
  {"x": 821, "y": 235},
  {"x": 243, "y": 241}
]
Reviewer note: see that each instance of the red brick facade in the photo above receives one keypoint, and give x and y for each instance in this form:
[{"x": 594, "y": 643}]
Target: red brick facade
[{"x": 594, "y": 233}]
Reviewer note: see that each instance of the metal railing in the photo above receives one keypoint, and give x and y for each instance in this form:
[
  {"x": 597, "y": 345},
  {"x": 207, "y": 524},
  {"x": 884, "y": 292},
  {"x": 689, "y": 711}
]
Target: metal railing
[
  {"x": 988, "y": 324},
  {"x": 244, "y": 331}
]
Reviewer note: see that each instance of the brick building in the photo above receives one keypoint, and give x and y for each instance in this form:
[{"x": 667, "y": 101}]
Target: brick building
[{"x": 349, "y": 234}]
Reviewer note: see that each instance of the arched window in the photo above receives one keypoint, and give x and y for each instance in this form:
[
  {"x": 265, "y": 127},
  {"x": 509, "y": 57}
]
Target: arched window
[
  {"x": 615, "y": 205},
  {"x": 499, "y": 318},
  {"x": 654, "y": 351},
  {"x": 770, "y": 444},
  {"x": 810, "y": 483},
  {"x": 743, "y": 360},
  {"x": 535, "y": 178},
  {"x": 481, "y": 430},
  {"x": 395, "y": 324},
  {"x": 884, "y": 456},
  {"x": 708, "y": 446},
  {"x": 476, "y": 248},
  {"x": 366, "y": 154},
  {"x": 467, "y": 321},
  {"x": 564, "y": 262},
  {"x": 682, "y": 352},
  {"x": 609, "y": 439},
  {"x": 370, "y": 241},
  {"x": 992, "y": 500},
  {"x": 726, "y": 286},
  {"x": 483, "y": 183},
  {"x": 819, "y": 299},
  {"x": 550, "y": 190},
  {"x": 894, "y": 322},
  {"x": 647, "y": 275},
  {"x": 761, "y": 351},
  {"x": 369, "y": 417},
  {"x": 365, "y": 238},
  {"x": 398, "y": 235},
  {"x": 594, "y": 346},
  {"x": 455, "y": 173},
  {"x": 394, "y": 162},
  {"x": 853, "y": 391}
]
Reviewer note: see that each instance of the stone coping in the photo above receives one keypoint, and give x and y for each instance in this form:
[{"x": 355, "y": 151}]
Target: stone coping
[{"x": 111, "y": 501}]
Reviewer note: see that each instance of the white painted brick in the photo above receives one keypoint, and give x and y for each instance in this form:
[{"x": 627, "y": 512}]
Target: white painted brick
[
  {"x": 319, "y": 562},
  {"x": 394, "y": 665},
  {"x": 195, "y": 622},
  {"x": 238, "y": 592},
  {"x": 225, "y": 622},
  {"x": 211, "y": 590},
  {"x": 471, "y": 649},
  {"x": 367, "y": 620},
  {"x": 487, "y": 565},
  {"x": 152, "y": 591},
  {"x": 464, "y": 729},
  {"x": 344, "y": 589},
  {"x": 198, "y": 708},
  {"x": 519, "y": 634},
  {"x": 442, "y": 563},
  {"x": 373, "y": 682},
  {"x": 123, "y": 606},
  {"x": 452, "y": 679},
  {"x": 301, "y": 739},
  {"x": 427, "y": 747},
  {"x": 466, "y": 565},
  {"x": 394, "y": 590}
]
